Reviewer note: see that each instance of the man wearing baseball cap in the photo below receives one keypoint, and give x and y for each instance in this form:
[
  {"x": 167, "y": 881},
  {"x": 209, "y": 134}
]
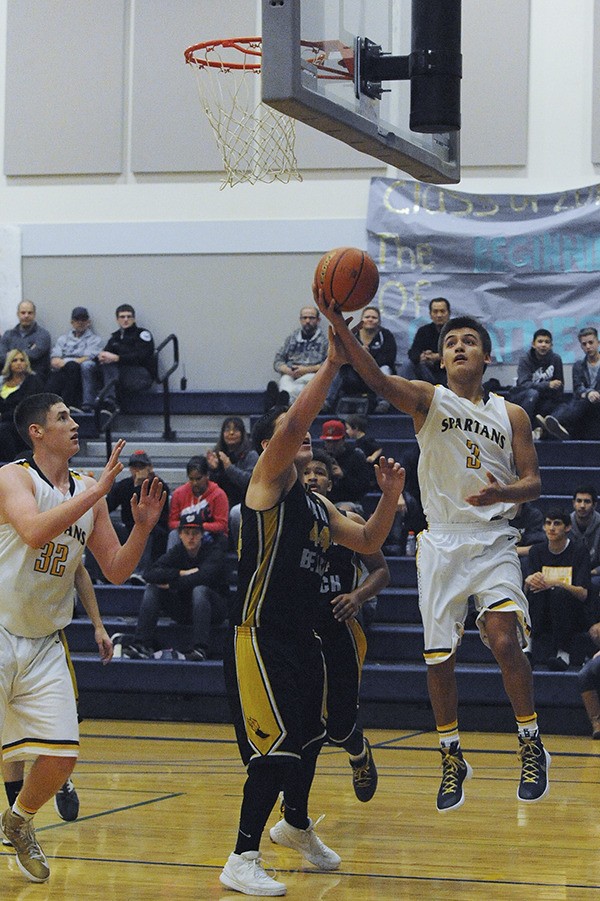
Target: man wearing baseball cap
[
  {"x": 73, "y": 364},
  {"x": 351, "y": 473},
  {"x": 190, "y": 584}
]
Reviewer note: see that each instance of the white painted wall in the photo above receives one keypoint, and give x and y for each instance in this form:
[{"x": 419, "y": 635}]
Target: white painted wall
[{"x": 240, "y": 260}]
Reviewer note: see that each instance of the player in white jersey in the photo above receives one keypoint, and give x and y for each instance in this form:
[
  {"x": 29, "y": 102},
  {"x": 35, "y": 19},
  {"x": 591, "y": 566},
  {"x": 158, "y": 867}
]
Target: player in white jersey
[
  {"x": 477, "y": 464},
  {"x": 48, "y": 513}
]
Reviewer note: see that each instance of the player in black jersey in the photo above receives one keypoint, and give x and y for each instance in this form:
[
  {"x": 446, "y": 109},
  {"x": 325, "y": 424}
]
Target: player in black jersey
[
  {"x": 273, "y": 663},
  {"x": 344, "y": 644}
]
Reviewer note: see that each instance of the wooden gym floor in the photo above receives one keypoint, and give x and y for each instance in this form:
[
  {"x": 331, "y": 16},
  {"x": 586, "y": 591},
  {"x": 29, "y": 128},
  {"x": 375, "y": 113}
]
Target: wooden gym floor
[{"x": 160, "y": 802}]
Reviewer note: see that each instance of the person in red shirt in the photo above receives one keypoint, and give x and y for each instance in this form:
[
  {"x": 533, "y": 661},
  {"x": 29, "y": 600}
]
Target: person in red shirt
[{"x": 200, "y": 495}]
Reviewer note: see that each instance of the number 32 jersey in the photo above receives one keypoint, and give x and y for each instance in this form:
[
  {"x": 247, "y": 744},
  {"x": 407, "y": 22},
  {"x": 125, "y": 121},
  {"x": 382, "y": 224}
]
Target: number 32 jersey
[
  {"x": 36, "y": 597},
  {"x": 460, "y": 443}
]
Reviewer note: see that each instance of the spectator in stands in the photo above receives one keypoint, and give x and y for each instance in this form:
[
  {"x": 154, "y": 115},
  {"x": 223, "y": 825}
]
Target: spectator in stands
[
  {"x": 423, "y": 357},
  {"x": 351, "y": 475},
  {"x": 119, "y": 497},
  {"x": 580, "y": 417},
  {"x": 231, "y": 464},
  {"x": 540, "y": 380},
  {"x": 190, "y": 584},
  {"x": 127, "y": 361},
  {"x": 202, "y": 496},
  {"x": 381, "y": 344},
  {"x": 18, "y": 382},
  {"x": 557, "y": 590},
  {"x": 73, "y": 364},
  {"x": 356, "y": 430},
  {"x": 29, "y": 337},
  {"x": 585, "y": 522},
  {"x": 300, "y": 356}
]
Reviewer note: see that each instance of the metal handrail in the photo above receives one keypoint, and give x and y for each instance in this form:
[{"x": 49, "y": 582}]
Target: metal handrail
[{"x": 168, "y": 433}]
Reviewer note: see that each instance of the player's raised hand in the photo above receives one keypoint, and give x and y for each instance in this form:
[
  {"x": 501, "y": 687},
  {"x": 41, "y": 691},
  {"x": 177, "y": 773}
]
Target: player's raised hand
[
  {"x": 390, "y": 476},
  {"x": 146, "y": 510},
  {"x": 330, "y": 309},
  {"x": 489, "y": 494},
  {"x": 113, "y": 467}
]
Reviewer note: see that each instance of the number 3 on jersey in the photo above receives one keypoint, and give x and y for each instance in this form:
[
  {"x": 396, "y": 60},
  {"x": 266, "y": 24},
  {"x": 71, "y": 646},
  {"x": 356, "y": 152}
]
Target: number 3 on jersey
[
  {"x": 473, "y": 461},
  {"x": 52, "y": 559}
]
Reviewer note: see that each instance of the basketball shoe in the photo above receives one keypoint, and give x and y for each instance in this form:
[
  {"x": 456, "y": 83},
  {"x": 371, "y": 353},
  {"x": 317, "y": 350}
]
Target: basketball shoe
[
  {"x": 535, "y": 762},
  {"x": 31, "y": 860},
  {"x": 307, "y": 842},
  {"x": 455, "y": 770},
  {"x": 244, "y": 873},
  {"x": 66, "y": 802},
  {"x": 364, "y": 775}
]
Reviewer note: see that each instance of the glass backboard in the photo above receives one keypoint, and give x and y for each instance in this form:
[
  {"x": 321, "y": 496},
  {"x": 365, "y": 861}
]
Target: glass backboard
[{"x": 321, "y": 64}]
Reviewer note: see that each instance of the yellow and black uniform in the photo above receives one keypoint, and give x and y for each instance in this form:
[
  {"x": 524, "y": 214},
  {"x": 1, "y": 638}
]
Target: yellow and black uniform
[
  {"x": 344, "y": 644},
  {"x": 274, "y": 668}
]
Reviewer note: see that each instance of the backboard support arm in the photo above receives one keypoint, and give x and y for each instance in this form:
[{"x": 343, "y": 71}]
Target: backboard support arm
[{"x": 434, "y": 67}]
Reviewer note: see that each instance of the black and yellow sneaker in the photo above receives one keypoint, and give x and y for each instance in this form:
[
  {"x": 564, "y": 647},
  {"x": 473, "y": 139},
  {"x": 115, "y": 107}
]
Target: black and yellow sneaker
[
  {"x": 455, "y": 770},
  {"x": 535, "y": 762},
  {"x": 364, "y": 775}
]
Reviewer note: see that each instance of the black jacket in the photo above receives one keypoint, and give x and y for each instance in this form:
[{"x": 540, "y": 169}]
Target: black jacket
[
  {"x": 134, "y": 346},
  {"x": 211, "y": 561}
]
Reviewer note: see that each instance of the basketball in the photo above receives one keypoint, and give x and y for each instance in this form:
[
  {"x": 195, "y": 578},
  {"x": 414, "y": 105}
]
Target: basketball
[{"x": 348, "y": 276}]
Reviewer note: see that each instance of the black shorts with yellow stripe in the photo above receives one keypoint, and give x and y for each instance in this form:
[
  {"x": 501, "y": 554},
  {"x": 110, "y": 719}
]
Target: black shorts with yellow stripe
[
  {"x": 344, "y": 651},
  {"x": 275, "y": 687}
]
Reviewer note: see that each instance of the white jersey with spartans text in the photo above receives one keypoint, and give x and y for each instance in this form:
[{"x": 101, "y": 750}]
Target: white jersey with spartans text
[
  {"x": 37, "y": 584},
  {"x": 460, "y": 443}
]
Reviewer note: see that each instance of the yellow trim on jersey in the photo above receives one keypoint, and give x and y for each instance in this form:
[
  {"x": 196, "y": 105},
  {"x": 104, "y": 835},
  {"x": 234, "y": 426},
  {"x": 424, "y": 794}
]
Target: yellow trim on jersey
[
  {"x": 263, "y": 724},
  {"x": 269, "y": 528},
  {"x": 70, "y": 666}
]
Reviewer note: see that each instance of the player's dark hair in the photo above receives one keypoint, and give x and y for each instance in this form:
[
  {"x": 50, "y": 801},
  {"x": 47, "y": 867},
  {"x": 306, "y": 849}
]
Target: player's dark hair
[
  {"x": 265, "y": 427},
  {"x": 32, "y": 409},
  {"x": 588, "y": 330},
  {"x": 440, "y": 300},
  {"x": 466, "y": 322},
  {"x": 557, "y": 513},
  {"x": 586, "y": 489},
  {"x": 321, "y": 456},
  {"x": 542, "y": 333},
  {"x": 199, "y": 463}
]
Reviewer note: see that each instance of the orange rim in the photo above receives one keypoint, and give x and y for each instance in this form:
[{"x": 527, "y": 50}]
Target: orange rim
[{"x": 252, "y": 47}]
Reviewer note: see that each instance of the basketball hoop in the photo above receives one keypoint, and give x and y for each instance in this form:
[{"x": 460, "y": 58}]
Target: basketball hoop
[{"x": 256, "y": 142}]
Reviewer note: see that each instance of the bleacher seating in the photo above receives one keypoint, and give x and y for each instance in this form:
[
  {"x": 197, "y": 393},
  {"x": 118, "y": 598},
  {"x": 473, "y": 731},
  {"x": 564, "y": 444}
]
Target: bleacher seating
[{"x": 394, "y": 691}]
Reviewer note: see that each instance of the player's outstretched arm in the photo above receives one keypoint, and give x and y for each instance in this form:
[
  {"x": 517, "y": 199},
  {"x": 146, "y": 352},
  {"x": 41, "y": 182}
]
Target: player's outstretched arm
[
  {"x": 368, "y": 538},
  {"x": 412, "y": 397},
  {"x": 35, "y": 528},
  {"x": 118, "y": 561},
  {"x": 274, "y": 471},
  {"x": 345, "y": 606},
  {"x": 87, "y": 596}
]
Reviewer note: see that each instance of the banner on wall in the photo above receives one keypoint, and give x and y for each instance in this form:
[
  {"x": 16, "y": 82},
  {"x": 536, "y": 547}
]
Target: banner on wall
[
  {"x": 10, "y": 275},
  {"x": 516, "y": 262}
]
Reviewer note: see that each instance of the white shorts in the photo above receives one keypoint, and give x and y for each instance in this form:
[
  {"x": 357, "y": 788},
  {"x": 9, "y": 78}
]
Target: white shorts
[
  {"x": 456, "y": 563},
  {"x": 38, "y": 713}
]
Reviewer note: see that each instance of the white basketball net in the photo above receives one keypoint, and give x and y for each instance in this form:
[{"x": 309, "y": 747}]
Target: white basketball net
[{"x": 256, "y": 141}]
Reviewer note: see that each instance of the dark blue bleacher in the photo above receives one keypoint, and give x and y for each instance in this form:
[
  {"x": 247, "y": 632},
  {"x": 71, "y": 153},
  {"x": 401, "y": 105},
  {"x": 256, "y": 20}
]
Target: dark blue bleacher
[{"x": 394, "y": 690}]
